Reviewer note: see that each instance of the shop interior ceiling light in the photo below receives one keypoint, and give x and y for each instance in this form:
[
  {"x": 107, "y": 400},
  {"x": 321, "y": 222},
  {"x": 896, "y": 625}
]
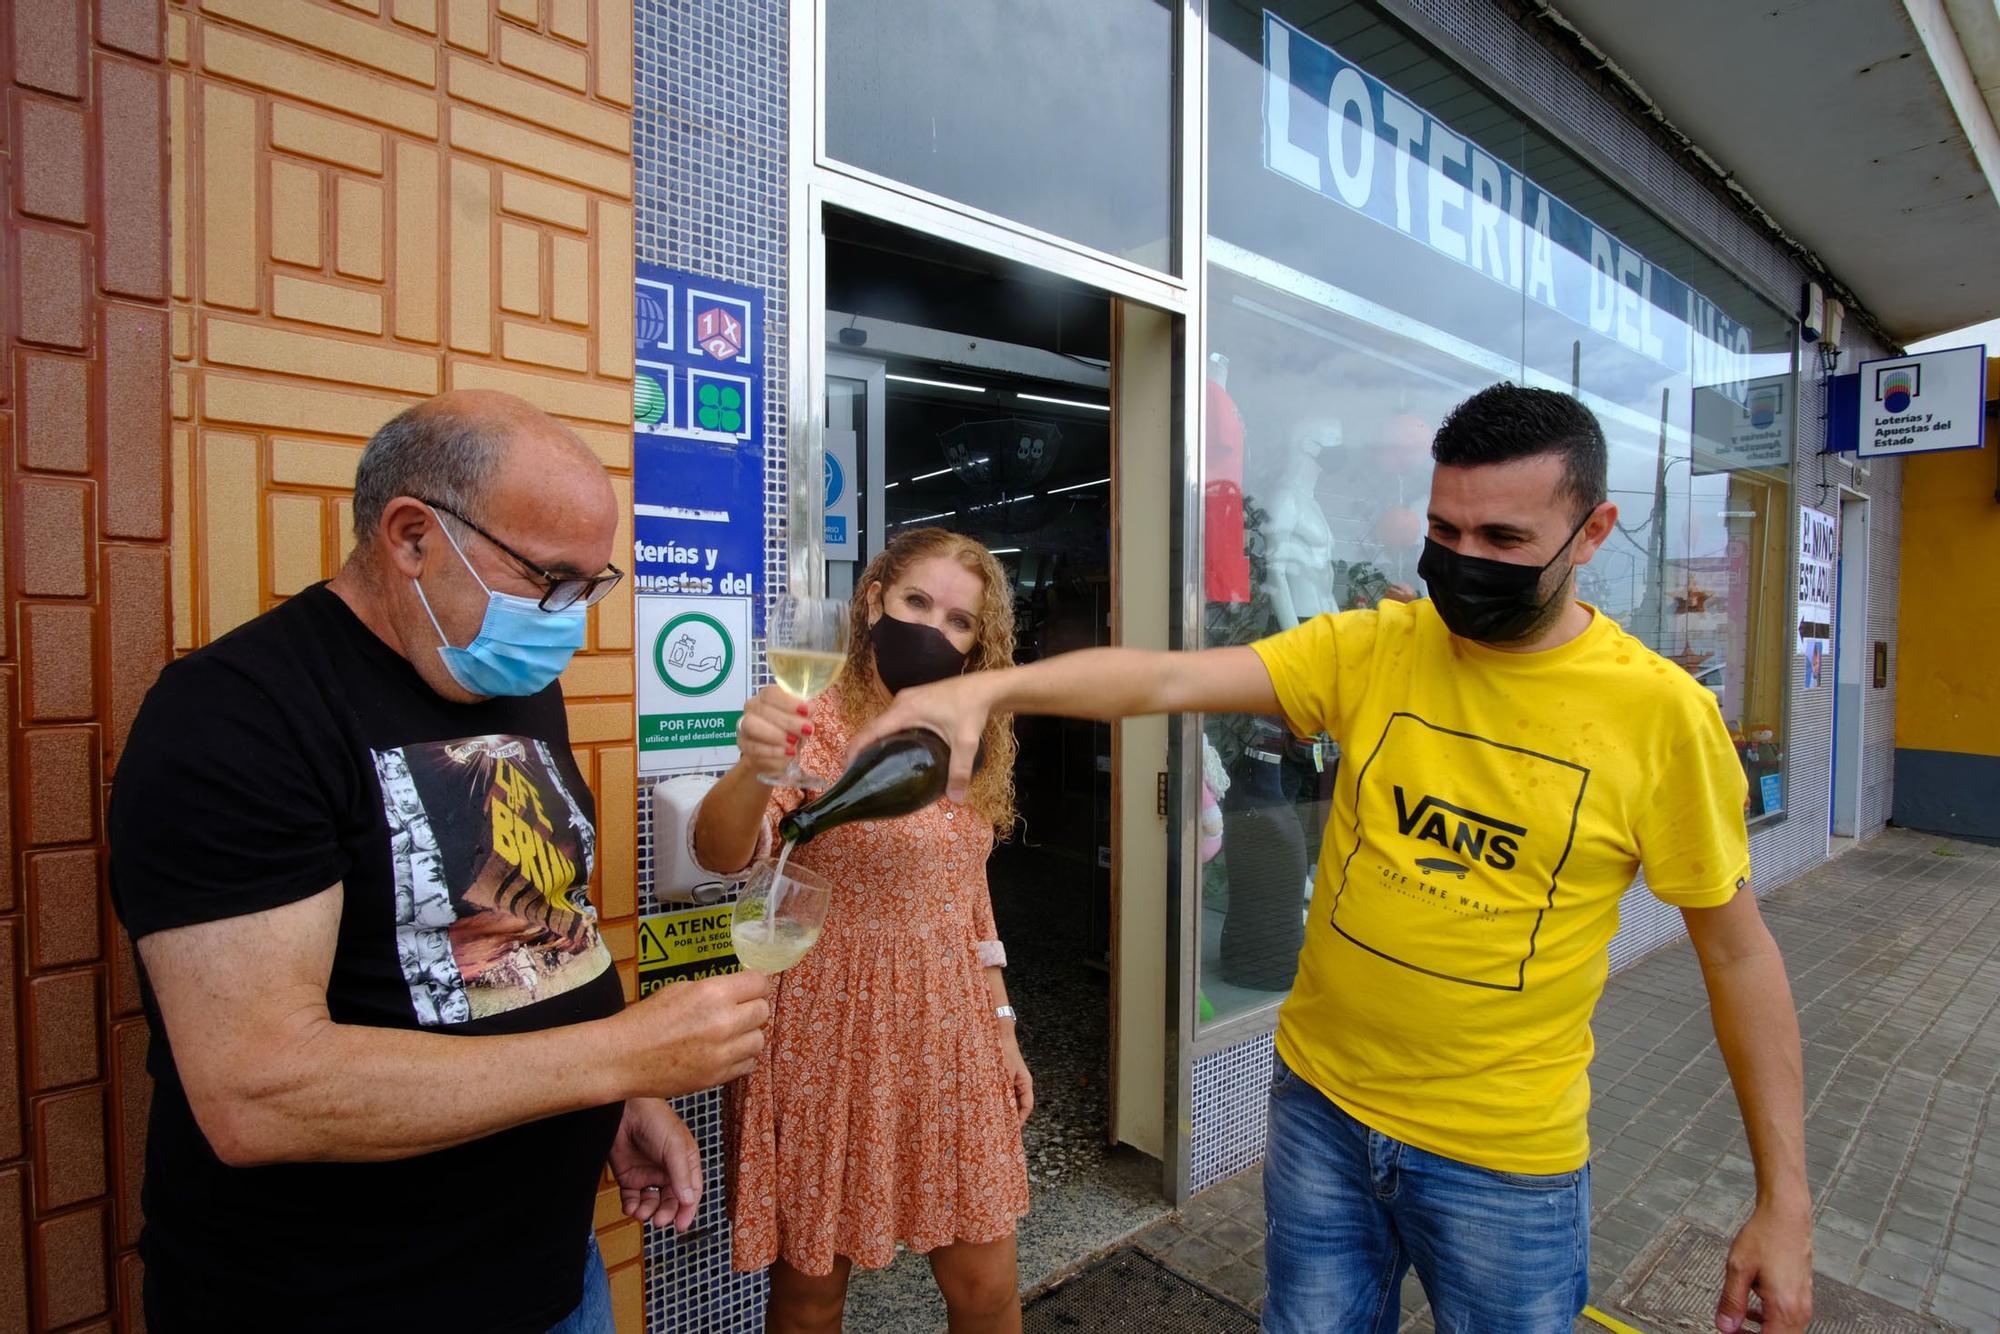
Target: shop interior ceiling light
[
  {"x": 1065, "y": 402},
  {"x": 937, "y": 384}
]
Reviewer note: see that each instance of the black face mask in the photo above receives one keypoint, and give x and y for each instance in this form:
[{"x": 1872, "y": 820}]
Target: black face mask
[
  {"x": 908, "y": 654},
  {"x": 1490, "y": 601}
]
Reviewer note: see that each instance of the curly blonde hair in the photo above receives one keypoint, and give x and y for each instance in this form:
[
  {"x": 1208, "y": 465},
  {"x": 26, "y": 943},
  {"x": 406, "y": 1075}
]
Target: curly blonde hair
[{"x": 862, "y": 694}]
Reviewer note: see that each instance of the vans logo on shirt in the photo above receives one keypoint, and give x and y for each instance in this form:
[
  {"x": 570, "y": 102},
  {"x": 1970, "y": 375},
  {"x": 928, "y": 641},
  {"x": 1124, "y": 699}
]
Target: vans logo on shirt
[
  {"x": 1464, "y": 833},
  {"x": 1458, "y": 847}
]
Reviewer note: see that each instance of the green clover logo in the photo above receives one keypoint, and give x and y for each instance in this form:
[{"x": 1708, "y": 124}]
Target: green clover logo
[{"x": 719, "y": 407}]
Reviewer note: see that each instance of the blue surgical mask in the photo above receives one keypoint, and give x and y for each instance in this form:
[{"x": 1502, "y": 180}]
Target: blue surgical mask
[{"x": 519, "y": 648}]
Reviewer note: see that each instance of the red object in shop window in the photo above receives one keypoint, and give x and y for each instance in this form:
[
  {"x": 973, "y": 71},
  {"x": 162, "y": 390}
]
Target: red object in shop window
[
  {"x": 1227, "y": 568},
  {"x": 1406, "y": 444},
  {"x": 1399, "y": 527}
]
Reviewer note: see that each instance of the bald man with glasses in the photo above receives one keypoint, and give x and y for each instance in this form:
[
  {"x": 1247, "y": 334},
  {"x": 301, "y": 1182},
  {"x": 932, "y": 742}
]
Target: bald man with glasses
[{"x": 352, "y": 846}]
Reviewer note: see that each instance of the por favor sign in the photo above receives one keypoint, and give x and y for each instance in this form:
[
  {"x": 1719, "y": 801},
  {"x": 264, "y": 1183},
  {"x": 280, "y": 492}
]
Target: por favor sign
[{"x": 694, "y": 678}]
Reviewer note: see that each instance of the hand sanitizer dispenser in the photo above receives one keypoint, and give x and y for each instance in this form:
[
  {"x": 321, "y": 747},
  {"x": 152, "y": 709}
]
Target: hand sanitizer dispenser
[{"x": 677, "y": 876}]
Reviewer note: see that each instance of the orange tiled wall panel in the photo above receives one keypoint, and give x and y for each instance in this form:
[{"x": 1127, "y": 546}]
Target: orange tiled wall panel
[
  {"x": 311, "y": 215},
  {"x": 83, "y": 624}
]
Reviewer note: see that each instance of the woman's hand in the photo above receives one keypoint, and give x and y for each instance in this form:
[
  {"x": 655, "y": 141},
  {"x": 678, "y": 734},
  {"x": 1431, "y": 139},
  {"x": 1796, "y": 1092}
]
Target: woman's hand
[
  {"x": 1020, "y": 1084},
  {"x": 726, "y": 828},
  {"x": 773, "y": 728}
]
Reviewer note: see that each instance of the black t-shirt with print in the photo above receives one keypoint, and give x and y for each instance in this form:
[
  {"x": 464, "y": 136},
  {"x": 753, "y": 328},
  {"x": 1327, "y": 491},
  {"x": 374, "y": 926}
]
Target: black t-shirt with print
[{"x": 300, "y": 752}]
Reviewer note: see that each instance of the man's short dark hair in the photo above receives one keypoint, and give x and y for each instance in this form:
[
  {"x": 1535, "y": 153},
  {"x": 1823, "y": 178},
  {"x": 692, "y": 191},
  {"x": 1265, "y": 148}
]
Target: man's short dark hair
[
  {"x": 1507, "y": 422},
  {"x": 429, "y": 452}
]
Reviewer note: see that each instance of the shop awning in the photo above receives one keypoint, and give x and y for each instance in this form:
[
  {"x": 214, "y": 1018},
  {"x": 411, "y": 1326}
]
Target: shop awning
[{"x": 1866, "y": 128}]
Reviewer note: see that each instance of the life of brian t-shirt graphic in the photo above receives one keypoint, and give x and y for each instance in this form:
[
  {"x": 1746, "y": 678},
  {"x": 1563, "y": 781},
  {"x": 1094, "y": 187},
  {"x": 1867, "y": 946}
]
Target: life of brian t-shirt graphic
[
  {"x": 492, "y": 857},
  {"x": 1458, "y": 853}
]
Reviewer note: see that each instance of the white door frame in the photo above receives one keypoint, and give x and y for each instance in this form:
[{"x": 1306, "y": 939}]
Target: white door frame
[
  {"x": 818, "y": 182},
  {"x": 873, "y": 371},
  {"x": 1850, "y": 667}
]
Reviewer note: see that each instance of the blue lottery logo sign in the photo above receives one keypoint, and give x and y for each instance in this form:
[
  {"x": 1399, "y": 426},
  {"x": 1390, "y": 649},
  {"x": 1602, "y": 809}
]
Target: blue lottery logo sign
[
  {"x": 720, "y": 332},
  {"x": 652, "y": 391},
  {"x": 720, "y": 323},
  {"x": 1756, "y": 433},
  {"x": 1765, "y": 405},
  {"x": 836, "y": 486},
  {"x": 653, "y": 314},
  {"x": 719, "y": 403},
  {"x": 842, "y": 512},
  {"x": 1896, "y": 387},
  {"x": 698, "y": 436},
  {"x": 697, "y": 347}
]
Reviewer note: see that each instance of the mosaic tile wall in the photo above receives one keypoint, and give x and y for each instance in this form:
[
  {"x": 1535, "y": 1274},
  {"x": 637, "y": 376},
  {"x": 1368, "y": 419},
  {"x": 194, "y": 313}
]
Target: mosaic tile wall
[
  {"x": 1230, "y": 1089},
  {"x": 1230, "y": 1086},
  {"x": 711, "y": 147},
  {"x": 690, "y": 1288}
]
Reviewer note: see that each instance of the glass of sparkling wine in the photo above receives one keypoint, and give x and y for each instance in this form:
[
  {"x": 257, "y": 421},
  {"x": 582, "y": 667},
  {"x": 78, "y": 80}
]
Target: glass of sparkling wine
[
  {"x": 778, "y": 915},
  {"x": 805, "y": 640}
]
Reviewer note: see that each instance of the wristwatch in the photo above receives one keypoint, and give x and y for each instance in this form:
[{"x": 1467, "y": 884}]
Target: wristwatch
[{"x": 1005, "y": 1012}]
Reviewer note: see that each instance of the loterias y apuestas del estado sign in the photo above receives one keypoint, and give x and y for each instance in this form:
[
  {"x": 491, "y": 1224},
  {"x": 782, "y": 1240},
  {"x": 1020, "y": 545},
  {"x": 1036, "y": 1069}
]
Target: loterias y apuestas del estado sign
[{"x": 1922, "y": 404}]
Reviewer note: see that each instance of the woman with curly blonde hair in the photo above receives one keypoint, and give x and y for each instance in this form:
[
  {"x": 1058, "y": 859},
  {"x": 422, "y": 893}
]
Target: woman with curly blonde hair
[{"x": 888, "y": 1104}]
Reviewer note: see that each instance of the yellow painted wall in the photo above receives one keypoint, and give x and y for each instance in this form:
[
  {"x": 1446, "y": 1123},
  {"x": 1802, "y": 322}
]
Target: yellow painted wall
[
  {"x": 1948, "y": 634},
  {"x": 372, "y": 201}
]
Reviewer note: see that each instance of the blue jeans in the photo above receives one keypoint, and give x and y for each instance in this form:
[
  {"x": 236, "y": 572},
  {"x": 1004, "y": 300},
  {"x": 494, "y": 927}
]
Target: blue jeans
[
  {"x": 1348, "y": 1210},
  {"x": 593, "y": 1314}
]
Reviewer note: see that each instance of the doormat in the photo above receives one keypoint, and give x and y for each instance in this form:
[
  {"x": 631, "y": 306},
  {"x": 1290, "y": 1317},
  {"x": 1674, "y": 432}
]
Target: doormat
[
  {"x": 1131, "y": 1293},
  {"x": 1672, "y": 1288}
]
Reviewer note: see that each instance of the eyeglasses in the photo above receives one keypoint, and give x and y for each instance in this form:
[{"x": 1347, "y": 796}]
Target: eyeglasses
[{"x": 562, "y": 591}]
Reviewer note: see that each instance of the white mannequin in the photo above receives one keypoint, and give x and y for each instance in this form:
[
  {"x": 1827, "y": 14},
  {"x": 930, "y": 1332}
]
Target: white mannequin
[{"x": 1301, "y": 566}]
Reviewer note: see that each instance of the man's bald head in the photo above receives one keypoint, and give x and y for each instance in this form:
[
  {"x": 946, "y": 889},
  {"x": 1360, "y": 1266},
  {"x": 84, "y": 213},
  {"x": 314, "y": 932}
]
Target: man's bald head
[
  {"x": 453, "y": 448},
  {"x": 533, "y": 508}
]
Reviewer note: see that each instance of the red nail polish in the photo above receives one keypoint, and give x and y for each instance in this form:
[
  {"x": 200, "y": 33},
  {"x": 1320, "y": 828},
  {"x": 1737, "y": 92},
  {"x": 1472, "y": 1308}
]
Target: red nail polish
[
  {"x": 807, "y": 729},
  {"x": 804, "y": 712}
]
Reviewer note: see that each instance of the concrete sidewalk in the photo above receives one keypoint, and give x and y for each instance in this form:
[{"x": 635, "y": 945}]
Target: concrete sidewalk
[{"x": 1894, "y": 955}]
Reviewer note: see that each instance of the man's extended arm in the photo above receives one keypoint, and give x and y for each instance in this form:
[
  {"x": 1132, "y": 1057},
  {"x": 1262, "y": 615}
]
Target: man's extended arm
[
  {"x": 1099, "y": 683},
  {"x": 272, "y": 1078},
  {"x": 1758, "y": 1030}
]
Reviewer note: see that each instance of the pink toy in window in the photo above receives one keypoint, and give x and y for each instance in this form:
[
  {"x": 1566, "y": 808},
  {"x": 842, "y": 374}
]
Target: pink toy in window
[{"x": 1214, "y": 785}]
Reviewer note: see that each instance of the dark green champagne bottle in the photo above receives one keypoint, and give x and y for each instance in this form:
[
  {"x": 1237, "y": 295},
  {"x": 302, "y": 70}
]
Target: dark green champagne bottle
[{"x": 898, "y": 775}]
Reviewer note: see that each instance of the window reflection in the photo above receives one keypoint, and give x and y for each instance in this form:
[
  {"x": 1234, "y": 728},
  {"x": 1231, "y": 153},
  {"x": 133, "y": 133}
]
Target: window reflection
[
  {"x": 1053, "y": 113},
  {"x": 1376, "y": 267}
]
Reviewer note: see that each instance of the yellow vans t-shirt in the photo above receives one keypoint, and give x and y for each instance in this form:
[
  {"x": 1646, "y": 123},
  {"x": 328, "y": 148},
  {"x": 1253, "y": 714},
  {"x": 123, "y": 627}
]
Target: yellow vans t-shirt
[{"x": 1490, "y": 811}]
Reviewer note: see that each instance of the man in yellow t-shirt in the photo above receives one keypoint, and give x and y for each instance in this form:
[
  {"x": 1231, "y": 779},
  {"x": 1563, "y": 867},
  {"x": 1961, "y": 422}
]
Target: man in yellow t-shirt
[{"x": 1512, "y": 759}]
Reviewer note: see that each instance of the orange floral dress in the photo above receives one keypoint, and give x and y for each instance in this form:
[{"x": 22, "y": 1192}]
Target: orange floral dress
[{"x": 880, "y": 1111}]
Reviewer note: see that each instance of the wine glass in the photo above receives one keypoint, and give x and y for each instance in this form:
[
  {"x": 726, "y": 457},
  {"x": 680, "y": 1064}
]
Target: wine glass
[
  {"x": 805, "y": 641},
  {"x": 778, "y": 915}
]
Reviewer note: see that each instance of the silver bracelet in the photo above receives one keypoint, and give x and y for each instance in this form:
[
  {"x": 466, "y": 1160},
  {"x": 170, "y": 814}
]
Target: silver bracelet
[{"x": 1005, "y": 1012}]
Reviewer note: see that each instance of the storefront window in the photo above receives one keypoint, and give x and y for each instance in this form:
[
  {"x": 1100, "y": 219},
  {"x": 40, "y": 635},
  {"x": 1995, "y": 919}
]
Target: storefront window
[
  {"x": 1052, "y": 113},
  {"x": 1385, "y": 240}
]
